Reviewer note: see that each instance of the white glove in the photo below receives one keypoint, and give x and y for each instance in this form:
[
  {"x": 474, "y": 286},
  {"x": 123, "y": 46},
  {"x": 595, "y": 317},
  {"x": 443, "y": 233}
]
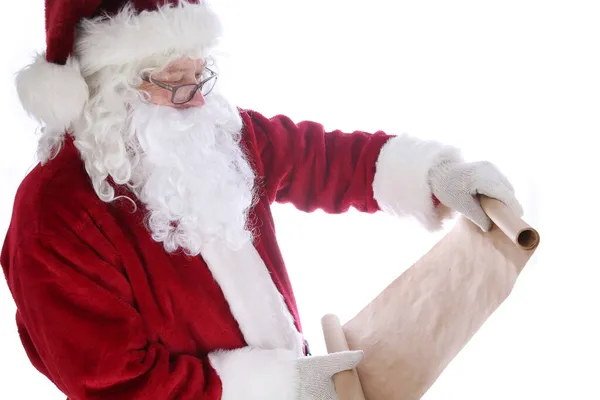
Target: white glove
[
  {"x": 259, "y": 374},
  {"x": 456, "y": 185},
  {"x": 315, "y": 373}
]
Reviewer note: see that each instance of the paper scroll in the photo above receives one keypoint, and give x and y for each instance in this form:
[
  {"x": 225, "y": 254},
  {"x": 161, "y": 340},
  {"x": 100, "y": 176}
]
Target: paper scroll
[{"x": 414, "y": 328}]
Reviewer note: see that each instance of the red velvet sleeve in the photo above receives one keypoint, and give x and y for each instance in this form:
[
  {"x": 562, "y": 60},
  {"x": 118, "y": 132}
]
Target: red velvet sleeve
[
  {"x": 80, "y": 328},
  {"x": 311, "y": 168}
]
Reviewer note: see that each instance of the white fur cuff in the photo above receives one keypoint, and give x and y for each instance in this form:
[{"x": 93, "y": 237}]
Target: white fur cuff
[
  {"x": 401, "y": 183},
  {"x": 256, "y": 374}
]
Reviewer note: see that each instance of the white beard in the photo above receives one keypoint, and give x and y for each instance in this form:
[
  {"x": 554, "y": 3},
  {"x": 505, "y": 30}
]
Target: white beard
[{"x": 195, "y": 180}]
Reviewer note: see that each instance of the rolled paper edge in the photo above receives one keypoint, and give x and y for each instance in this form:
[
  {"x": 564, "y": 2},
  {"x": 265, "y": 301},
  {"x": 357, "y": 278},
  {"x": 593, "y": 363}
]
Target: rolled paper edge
[
  {"x": 514, "y": 227},
  {"x": 347, "y": 383}
]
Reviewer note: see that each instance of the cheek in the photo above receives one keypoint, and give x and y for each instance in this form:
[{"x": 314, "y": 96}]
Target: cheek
[
  {"x": 158, "y": 95},
  {"x": 161, "y": 96}
]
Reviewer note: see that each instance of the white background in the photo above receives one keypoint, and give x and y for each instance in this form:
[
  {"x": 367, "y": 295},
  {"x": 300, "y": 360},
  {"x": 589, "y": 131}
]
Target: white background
[{"x": 513, "y": 82}]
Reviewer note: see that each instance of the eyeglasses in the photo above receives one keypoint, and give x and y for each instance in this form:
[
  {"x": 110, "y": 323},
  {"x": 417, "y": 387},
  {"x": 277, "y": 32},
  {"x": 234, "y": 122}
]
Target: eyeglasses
[{"x": 181, "y": 94}]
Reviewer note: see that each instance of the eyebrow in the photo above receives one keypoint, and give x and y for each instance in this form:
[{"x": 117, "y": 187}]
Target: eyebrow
[{"x": 173, "y": 70}]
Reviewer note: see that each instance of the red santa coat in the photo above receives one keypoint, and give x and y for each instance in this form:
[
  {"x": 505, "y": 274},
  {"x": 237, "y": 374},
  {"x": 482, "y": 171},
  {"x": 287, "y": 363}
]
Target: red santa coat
[{"x": 105, "y": 313}]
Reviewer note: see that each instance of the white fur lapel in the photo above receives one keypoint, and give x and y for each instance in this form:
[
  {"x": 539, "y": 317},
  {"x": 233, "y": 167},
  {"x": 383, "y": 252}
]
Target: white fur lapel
[{"x": 253, "y": 298}]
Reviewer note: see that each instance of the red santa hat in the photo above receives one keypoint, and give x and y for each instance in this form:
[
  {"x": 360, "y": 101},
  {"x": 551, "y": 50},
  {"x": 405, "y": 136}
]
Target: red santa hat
[{"x": 85, "y": 37}]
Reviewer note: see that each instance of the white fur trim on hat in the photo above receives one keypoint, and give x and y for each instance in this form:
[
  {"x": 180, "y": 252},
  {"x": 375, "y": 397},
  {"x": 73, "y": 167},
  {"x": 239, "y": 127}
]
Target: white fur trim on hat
[
  {"x": 51, "y": 93},
  {"x": 127, "y": 36}
]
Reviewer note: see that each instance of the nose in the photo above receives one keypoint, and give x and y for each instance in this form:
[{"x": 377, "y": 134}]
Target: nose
[{"x": 196, "y": 101}]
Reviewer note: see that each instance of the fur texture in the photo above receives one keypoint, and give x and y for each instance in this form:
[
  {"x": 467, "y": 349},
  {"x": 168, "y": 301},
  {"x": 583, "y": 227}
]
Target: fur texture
[
  {"x": 190, "y": 29},
  {"x": 242, "y": 275},
  {"x": 256, "y": 374},
  {"x": 401, "y": 182},
  {"x": 52, "y": 94}
]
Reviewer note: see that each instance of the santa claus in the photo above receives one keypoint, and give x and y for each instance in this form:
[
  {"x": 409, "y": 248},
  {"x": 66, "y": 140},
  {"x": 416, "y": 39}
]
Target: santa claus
[{"x": 142, "y": 255}]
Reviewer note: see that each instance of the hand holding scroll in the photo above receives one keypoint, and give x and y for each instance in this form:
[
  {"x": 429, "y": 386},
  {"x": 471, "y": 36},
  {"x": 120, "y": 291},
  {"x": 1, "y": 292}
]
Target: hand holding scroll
[
  {"x": 457, "y": 186},
  {"x": 315, "y": 373},
  {"x": 415, "y": 327}
]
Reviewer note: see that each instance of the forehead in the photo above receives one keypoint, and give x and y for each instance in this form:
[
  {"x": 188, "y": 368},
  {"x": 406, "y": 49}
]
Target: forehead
[{"x": 185, "y": 63}]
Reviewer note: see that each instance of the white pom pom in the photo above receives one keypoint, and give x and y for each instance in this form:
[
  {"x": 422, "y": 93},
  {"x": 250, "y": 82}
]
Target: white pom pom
[{"x": 51, "y": 93}]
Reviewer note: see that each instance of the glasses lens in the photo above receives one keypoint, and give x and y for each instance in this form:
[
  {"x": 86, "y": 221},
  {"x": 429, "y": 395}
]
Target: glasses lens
[
  {"x": 208, "y": 86},
  {"x": 184, "y": 94}
]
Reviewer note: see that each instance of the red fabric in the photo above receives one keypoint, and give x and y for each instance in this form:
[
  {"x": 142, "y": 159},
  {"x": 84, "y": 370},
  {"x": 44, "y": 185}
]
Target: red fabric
[
  {"x": 63, "y": 16},
  {"x": 111, "y": 7},
  {"x": 105, "y": 313}
]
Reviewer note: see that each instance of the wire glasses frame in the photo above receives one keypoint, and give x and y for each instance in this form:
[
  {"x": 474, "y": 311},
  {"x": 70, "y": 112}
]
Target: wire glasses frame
[{"x": 181, "y": 94}]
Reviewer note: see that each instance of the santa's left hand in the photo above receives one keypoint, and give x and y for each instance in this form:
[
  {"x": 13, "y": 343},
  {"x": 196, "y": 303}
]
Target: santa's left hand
[{"x": 457, "y": 184}]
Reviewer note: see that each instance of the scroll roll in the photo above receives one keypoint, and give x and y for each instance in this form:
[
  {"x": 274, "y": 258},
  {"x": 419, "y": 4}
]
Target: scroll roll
[
  {"x": 517, "y": 230},
  {"x": 414, "y": 328},
  {"x": 347, "y": 383}
]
